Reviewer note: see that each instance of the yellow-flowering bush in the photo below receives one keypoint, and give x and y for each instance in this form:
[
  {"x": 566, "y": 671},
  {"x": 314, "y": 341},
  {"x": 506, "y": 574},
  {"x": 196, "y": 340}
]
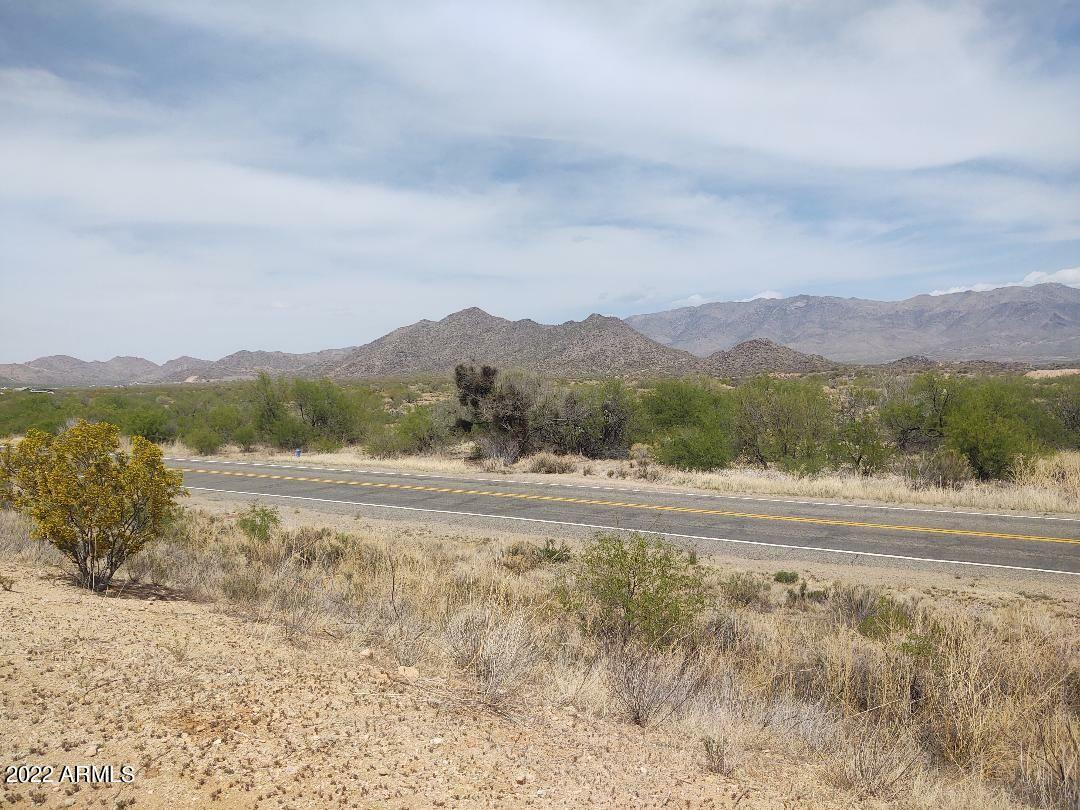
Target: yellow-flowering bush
[{"x": 96, "y": 503}]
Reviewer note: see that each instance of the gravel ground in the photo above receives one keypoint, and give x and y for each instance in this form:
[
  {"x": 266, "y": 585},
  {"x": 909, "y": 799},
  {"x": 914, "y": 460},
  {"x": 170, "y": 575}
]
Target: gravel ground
[{"x": 213, "y": 710}]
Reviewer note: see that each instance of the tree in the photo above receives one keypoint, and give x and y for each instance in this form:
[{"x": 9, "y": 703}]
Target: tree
[
  {"x": 245, "y": 437},
  {"x": 96, "y": 503},
  {"x": 993, "y": 422},
  {"x": 594, "y": 421},
  {"x": 914, "y": 413},
  {"x": 694, "y": 423},
  {"x": 683, "y": 403},
  {"x": 326, "y": 409},
  {"x": 267, "y": 403},
  {"x": 473, "y": 386},
  {"x": 859, "y": 440},
  {"x": 785, "y": 422},
  {"x": 498, "y": 409}
]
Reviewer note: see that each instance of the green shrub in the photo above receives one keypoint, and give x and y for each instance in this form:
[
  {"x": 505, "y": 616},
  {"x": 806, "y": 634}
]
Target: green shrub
[
  {"x": 288, "y": 433},
  {"x": 686, "y": 403},
  {"x": 887, "y": 617},
  {"x": 631, "y": 588},
  {"x": 245, "y": 437},
  {"x": 992, "y": 424},
  {"x": 324, "y": 444},
  {"x": 421, "y": 430},
  {"x": 786, "y": 577},
  {"x": 152, "y": 424},
  {"x": 203, "y": 441},
  {"x": 696, "y": 448},
  {"x": 259, "y": 522},
  {"x": 551, "y": 553}
]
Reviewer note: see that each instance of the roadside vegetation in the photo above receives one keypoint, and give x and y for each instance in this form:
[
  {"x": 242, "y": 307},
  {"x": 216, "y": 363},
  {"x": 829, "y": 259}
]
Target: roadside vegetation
[
  {"x": 926, "y": 438},
  {"x": 880, "y": 695}
]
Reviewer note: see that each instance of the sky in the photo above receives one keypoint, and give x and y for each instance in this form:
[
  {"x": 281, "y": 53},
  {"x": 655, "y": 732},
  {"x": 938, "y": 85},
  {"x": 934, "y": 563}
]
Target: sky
[{"x": 200, "y": 176}]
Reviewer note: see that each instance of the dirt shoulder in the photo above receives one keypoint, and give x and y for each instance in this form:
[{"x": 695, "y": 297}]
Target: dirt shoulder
[{"x": 214, "y": 710}]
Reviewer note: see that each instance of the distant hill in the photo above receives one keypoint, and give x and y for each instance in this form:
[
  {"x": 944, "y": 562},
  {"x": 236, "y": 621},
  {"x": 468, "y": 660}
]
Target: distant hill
[
  {"x": 244, "y": 365},
  {"x": 596, "y": 346},
  {"x": 59, "y": 369},
  {"x": 985, "y": 331},
  {"x": 179, "y": 369},
  {"x": 762, "y": 356},
  {"x": 1039, "y": 323}
]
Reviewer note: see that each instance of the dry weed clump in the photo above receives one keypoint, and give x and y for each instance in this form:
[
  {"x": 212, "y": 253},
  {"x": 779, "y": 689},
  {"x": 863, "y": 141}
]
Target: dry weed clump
[
  {"x": 873, "y": 761},
  {"x": 549, "y": 464},
  {"x": 499, "y": 651},
  {"x": 651, "y": 685}
]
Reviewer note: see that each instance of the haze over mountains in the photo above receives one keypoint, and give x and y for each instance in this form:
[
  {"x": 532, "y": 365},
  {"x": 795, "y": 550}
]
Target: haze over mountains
[{"x": 1033, "y": 324}]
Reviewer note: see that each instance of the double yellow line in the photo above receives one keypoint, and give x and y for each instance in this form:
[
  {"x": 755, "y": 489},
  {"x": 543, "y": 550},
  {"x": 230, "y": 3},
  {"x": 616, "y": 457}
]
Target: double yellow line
[{"x": 630, "y": 505}]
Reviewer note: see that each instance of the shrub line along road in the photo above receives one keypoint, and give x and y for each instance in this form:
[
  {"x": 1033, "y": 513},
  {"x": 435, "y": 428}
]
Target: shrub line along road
[{"x": 1024, "y": 542}]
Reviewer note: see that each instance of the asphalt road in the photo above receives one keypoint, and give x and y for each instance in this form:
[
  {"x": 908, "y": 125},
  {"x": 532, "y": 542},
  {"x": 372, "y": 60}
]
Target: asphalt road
[{"x": 964, "y": 538}]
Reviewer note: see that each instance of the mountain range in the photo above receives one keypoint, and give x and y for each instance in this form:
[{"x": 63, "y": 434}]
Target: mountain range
[
  {"x": 728, "y": 339},
  {"x": 1040, "y": 323}
]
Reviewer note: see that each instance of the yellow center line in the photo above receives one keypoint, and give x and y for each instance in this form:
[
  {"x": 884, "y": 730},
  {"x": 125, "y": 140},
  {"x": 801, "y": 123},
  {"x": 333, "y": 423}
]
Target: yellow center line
[{"x": 521, "y": 496}]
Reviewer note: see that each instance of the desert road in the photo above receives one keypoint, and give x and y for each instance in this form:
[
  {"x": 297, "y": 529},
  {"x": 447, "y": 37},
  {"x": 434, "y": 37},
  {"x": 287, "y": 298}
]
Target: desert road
[{"x": 967, "y": 539}]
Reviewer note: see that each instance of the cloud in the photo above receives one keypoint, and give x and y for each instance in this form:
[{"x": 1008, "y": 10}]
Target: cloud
[
  {"x": 895, "y": 85},
  {"x": 694, "y": 300},
  {"x": 763, "y": 294},
  {"x": 1069, "y": 276},
  {"x": 371, "y": 164}
]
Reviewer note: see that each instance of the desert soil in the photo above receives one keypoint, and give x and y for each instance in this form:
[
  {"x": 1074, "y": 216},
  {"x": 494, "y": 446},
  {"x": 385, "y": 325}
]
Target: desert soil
[{"x": 216, "y": 711}]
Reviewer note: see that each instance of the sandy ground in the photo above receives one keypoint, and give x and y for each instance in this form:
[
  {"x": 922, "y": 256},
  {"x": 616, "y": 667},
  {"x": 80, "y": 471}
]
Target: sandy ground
[{"x": 216, "y": 711}]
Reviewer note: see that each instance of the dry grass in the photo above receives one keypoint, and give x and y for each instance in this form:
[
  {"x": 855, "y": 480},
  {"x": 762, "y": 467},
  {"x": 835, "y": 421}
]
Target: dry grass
[
  {"x": 1049, "y": 484},
  {"x": 1046, "y": 485},
  {"x": 550, "y": 464},
  {"x": 886, "y": 698},
  {"x": 16, "y": 545}
]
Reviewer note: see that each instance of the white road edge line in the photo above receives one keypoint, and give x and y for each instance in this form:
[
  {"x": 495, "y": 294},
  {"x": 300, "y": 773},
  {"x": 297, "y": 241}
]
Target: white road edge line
[
  {"x": 642, "y": 531},
  {"x": 628, "y": 489}
]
